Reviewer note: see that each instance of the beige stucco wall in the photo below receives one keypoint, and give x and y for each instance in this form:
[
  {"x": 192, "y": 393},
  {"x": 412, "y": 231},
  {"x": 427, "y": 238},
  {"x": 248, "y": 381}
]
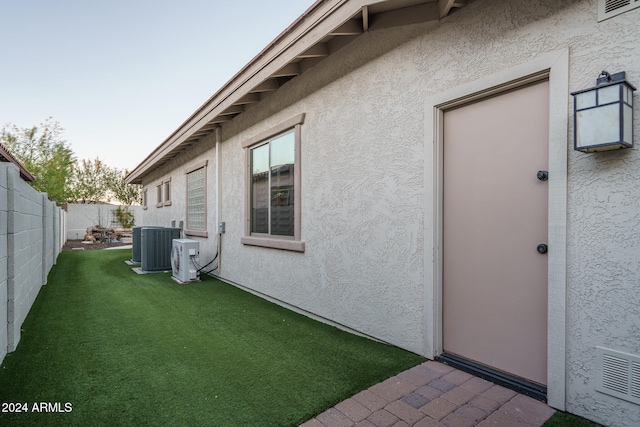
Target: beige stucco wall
[
  {"x": 363, "y": 194},
  {"x": 362, "y": 226},
  {"x": 361, "y": 201}
]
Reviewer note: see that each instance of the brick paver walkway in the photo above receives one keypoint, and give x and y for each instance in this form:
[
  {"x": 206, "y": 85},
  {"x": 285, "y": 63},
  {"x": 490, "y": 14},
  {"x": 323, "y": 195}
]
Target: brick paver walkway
[{"x": 434, "y": 394}]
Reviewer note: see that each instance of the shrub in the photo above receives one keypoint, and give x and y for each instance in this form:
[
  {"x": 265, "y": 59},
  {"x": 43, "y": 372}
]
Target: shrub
[{"x": 124, "y": 216}]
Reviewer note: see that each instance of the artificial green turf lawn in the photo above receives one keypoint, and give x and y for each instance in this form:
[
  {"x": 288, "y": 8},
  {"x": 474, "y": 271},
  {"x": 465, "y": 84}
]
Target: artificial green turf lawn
[
  {"x": 129, "y": 349},
  {"x": 563, "y": 419}
]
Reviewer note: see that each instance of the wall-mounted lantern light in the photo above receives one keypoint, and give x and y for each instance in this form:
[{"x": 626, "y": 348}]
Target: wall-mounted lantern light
[{"x": 603, "y": 115}]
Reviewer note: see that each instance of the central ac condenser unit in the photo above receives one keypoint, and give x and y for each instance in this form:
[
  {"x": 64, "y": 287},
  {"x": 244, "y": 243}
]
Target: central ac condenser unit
[
  {"x": 155, "y": 245},
  {"x": 185, "y": 256},
  {"x": 136, "y": 243}
]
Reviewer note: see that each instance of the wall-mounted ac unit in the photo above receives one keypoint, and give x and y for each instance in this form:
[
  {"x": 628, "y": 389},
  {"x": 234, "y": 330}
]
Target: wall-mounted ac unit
[
  {"x": 136, "y": 246},
  {"x": 155, "y": 247},
  {"x": 184, "y": 260}
]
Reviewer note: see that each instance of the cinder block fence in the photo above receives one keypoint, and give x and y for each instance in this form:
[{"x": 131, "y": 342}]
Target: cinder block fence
[{"x": 31, "y": 237}]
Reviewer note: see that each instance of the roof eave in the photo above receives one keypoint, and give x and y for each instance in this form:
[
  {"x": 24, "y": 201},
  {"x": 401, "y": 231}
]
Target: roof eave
[
  {"x": 24, "y": 173},
  {"x": 301, "y": 41}
]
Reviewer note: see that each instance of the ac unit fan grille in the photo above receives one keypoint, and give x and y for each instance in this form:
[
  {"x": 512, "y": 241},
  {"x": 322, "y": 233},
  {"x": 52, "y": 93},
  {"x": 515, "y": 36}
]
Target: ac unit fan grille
[{"x": 176, "y": 259}]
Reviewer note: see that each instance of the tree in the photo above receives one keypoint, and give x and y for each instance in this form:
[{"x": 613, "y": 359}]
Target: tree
[
  {"x": 89, "y": 182},
  {"x": 93, "y": 181},
  {"x": 43, "y": 151},
  {"x": 127, "y": 194}
]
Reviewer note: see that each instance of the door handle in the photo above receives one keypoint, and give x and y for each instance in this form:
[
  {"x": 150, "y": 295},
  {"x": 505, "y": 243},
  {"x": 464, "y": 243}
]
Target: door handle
[
  {"x": 542, "y": 248},
  {"x": 543, "y": 175}
]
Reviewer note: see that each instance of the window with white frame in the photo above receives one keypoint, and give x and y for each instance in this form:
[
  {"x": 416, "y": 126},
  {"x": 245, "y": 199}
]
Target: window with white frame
[
  {"x": 273, "y": 187},
  {"x": 197, "y": 201}
]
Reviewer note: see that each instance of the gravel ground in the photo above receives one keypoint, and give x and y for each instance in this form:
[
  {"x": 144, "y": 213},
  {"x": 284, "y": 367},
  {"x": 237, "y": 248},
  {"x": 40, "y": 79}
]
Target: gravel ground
[{"x": 78, "y": 244}]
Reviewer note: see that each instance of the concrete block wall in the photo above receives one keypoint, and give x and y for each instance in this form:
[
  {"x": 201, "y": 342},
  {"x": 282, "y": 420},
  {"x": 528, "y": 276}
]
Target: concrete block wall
[
  {"x": 3, "y": 262},
  {"x": 81, "y": 216},
  {"x": 30, "y": 241}
]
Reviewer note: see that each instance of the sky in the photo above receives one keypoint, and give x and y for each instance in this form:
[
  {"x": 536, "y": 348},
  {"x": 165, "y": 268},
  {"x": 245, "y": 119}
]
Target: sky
[{"x": 121, "y": 75}]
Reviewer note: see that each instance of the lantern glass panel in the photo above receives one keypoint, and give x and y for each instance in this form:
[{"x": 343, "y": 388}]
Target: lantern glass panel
[
  {"x": 586, "y": 100},
  {"x": 609, "y": 94},
  {"x": 628, "y": 124},
  {"x": 628, "y": 95},
  {"x": 598, "y": 126}
]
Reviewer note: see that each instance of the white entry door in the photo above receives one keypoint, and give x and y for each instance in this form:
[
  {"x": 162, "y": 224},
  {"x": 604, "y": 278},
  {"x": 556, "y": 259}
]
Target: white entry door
[{"x": 495, "y": 219}]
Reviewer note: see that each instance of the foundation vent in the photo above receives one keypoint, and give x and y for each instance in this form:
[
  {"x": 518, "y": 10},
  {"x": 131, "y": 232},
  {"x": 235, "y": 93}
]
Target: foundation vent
[
  {"x": 618, "y": 374},
  {"x": 610, "y": 8},
  {"x": 635, "y": 380}
]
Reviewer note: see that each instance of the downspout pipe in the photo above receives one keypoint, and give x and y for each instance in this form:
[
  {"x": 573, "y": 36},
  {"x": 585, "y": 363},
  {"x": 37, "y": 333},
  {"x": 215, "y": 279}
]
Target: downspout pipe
[{"x": 218, "y": 195}]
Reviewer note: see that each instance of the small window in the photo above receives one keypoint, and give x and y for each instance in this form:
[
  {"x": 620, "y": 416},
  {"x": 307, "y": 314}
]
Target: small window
[
  {"x": 163, "y": 193},
  {"x": 167, "y": 192},
  {"x": 197, "y": 201},
  {"x": 159, "y": 203},
  {"x": 144, "y": 199},
  {"x": 273, "y": 187}
]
